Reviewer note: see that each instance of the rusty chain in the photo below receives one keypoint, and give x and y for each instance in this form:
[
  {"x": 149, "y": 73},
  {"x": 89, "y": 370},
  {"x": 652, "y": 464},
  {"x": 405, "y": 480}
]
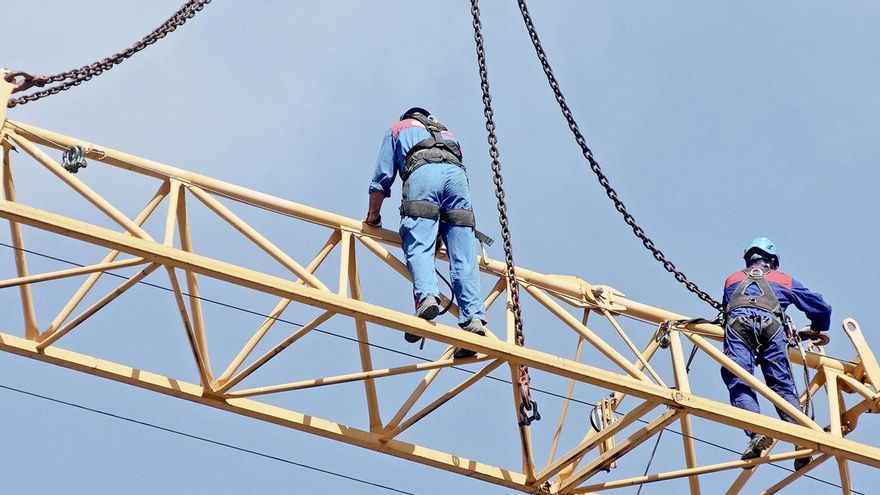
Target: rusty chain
[
  {"x": 75, "y": 77},
  {"x": 603, "y": 179},
  {"x": 527, "y": 404}
]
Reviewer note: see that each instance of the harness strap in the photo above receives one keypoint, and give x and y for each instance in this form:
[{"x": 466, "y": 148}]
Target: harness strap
[
  {"x": 419, "y": 208},
  {"x": 458, "y": 216},
  {"x": 756, "y": 331},
  {"x": 428, "y": 209},
  {"x": 434, "y": 149},
  {"x": 766, "y": 300}
]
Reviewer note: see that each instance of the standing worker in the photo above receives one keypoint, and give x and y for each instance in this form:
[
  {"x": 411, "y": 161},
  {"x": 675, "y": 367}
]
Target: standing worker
[
  {"x": 755, "y": 300},
  {"x": 435, "y": 197}
]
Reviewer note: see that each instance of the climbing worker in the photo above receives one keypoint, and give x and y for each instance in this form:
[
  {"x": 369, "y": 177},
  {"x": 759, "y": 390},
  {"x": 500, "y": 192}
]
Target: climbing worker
[
  {"x": 435, "y": 197},
  {"x": 755, "y": 300}
]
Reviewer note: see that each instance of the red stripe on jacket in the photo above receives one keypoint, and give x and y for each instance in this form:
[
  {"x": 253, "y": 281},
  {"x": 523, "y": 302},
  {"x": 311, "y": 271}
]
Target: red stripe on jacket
[{"x": 772, "y": 276}]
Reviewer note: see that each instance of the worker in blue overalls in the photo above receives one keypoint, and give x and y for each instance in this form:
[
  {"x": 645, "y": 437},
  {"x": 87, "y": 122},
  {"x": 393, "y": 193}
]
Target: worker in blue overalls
[
  {"x": 755, "y": 300},
  {"x": 436, "y": 198}
]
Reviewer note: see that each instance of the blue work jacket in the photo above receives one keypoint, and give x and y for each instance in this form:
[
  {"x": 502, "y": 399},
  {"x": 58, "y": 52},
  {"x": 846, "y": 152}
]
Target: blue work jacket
[
  {"x": 787, "y": 290},
  {"x": 392, "y": 155}
]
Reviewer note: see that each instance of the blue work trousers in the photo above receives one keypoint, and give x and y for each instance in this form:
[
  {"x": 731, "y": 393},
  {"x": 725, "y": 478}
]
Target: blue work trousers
[
  {"x": 771, "y": 355},
  {"x": 447, "y": 186}
]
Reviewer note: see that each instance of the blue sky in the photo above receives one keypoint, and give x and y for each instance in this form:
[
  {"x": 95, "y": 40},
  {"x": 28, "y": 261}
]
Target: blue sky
[{"x": 717, "y": 122}]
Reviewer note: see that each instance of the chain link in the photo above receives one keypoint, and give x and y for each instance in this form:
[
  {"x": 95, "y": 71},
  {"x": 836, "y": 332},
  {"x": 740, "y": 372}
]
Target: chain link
[
  {"x": 525, "y": 395},
  {"x": 603, "y": 179},
  {"x": 75, "y": 77}
]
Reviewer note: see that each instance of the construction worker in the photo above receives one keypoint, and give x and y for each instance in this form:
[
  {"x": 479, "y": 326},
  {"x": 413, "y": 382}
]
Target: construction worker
[
  {"x": 755, "y": 300},
  {"x": 435, "y": 198}
]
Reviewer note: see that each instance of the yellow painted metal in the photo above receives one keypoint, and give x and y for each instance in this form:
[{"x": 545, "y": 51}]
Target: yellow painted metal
[
  {"x": 629, "y": 343},
  {"x": 80, "y": 187},
  {"x": 443, "y": 399},
  {"x": 682, "y": 382},
  {"x": 275, "y": 314},
  {"x": 195, "y": 345},
  {"x": 860, "y": 388},
  {"x": 415, "y": 395},
  {"x": 70, "y": 272},
  {"x": 606, "y": 419},
  {"x": 753, "y": 382},
  {"x": 558, "y": 295},
  {"x": 6, "y": 88},
  {"x": 572, "y": 287},
  {"x": 48, "y": 339},
  {"x": 261, "y": 411},
  {"x": 271, "y": 353},
  {"x": 354, "y": 377},
  {"x": 592, "y": 440},
  {"x": 605, "y": 460},
  {"x": 586, "y": 333},
  {"x": 791, "y": 478},
  {"x": 865, "y": 355},
  {"x": 27, "y": 300},
  {"x": 90, "y": 282},
  {"x": 691, "y": 472},
  {"x": 348, "y": 266},
  {"x": 257, "y": 238},
  {"x": 564, "y": 411}
]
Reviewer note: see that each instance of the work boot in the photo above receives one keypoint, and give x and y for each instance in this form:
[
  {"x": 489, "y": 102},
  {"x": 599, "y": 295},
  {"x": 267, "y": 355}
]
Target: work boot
[
  {"x": 756, "y": 446},
  {"x": 473, "y": 326},
  {"x": 428, "y": 308},
  {"x": 801, "y": 462}
]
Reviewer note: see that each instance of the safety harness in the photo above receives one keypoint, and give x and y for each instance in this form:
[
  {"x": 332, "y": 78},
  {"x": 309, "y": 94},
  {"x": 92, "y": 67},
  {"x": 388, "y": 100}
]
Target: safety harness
[
  {"x": 434, "y": 149},
  {"x": 766, "y": 300}
]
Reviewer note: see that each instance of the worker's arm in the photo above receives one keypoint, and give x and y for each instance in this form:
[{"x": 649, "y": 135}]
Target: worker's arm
[
  {"x": 383, "y": 177},
  {"x": 374, "y": 216},
  {"x": 813, "y": 305}
]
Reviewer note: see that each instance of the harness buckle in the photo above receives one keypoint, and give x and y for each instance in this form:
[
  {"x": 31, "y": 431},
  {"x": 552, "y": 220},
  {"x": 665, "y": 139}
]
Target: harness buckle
[{"x": 756, "y": 272}]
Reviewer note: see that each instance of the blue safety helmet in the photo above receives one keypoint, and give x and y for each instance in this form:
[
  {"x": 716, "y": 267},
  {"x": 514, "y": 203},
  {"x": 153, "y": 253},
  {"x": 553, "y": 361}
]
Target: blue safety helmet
[
  {"x": 407, "y": 114},
  {"x": 761, "y": 245}
]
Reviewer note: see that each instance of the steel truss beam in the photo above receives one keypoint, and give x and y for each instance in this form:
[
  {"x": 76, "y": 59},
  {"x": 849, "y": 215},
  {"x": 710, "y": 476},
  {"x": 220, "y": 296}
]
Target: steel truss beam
[{"x": 572, "y": 471}]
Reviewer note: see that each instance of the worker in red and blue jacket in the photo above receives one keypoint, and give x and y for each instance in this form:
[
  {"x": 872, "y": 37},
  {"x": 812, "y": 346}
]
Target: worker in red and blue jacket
[
  {"x": 435, "y": 199},
  {"x": 755, "y": 300}
]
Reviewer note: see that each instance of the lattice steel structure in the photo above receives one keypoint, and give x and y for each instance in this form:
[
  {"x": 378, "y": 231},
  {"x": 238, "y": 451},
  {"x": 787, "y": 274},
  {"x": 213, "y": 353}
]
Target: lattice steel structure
[{"x": 655, "y": 401}]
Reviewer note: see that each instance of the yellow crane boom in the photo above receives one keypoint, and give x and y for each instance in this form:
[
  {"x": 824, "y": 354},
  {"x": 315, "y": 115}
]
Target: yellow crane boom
[{"x": 655, "y": 401}]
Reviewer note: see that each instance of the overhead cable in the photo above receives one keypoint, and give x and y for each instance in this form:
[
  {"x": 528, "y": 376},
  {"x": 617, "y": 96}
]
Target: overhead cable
[
  {"x": 402, "y": 353},
  {"x": 204, "y": 439}
]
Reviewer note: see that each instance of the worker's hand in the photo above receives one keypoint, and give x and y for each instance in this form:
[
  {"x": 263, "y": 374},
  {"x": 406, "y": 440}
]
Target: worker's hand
[
  {"x": 818, "y": 337},
  {"x": 373, "y": 220}
]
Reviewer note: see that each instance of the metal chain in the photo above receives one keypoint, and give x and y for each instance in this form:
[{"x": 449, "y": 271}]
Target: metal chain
[
  {"x": 75, "y": 77},
  {"x": 525, "y": 394},
  {"x": 603, "y": 179}
]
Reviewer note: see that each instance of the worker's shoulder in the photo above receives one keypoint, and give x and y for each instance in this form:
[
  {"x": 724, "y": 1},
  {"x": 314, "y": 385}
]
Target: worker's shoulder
[
  {"x": 413, "y": 125},
  {"x": 772, "y": 276},
  {"x": 735, "y": 278},
  {"x": 780, "y": 278},
  {"x": 399, "y": 127}
]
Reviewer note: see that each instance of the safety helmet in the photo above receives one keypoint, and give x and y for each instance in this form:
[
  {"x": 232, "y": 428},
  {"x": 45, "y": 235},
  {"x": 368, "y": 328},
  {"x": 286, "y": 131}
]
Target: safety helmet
[
  {"x": 761, "y": 245},
  {"x": 407, "y": 114}
]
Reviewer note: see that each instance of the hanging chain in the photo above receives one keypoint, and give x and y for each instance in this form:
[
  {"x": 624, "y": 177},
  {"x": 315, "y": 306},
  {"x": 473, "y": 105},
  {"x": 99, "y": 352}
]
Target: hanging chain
[
  {"x": 75, "y": 77},
  {"x": 603, "y": 179},
  {"x": 527, "y": 404}
]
